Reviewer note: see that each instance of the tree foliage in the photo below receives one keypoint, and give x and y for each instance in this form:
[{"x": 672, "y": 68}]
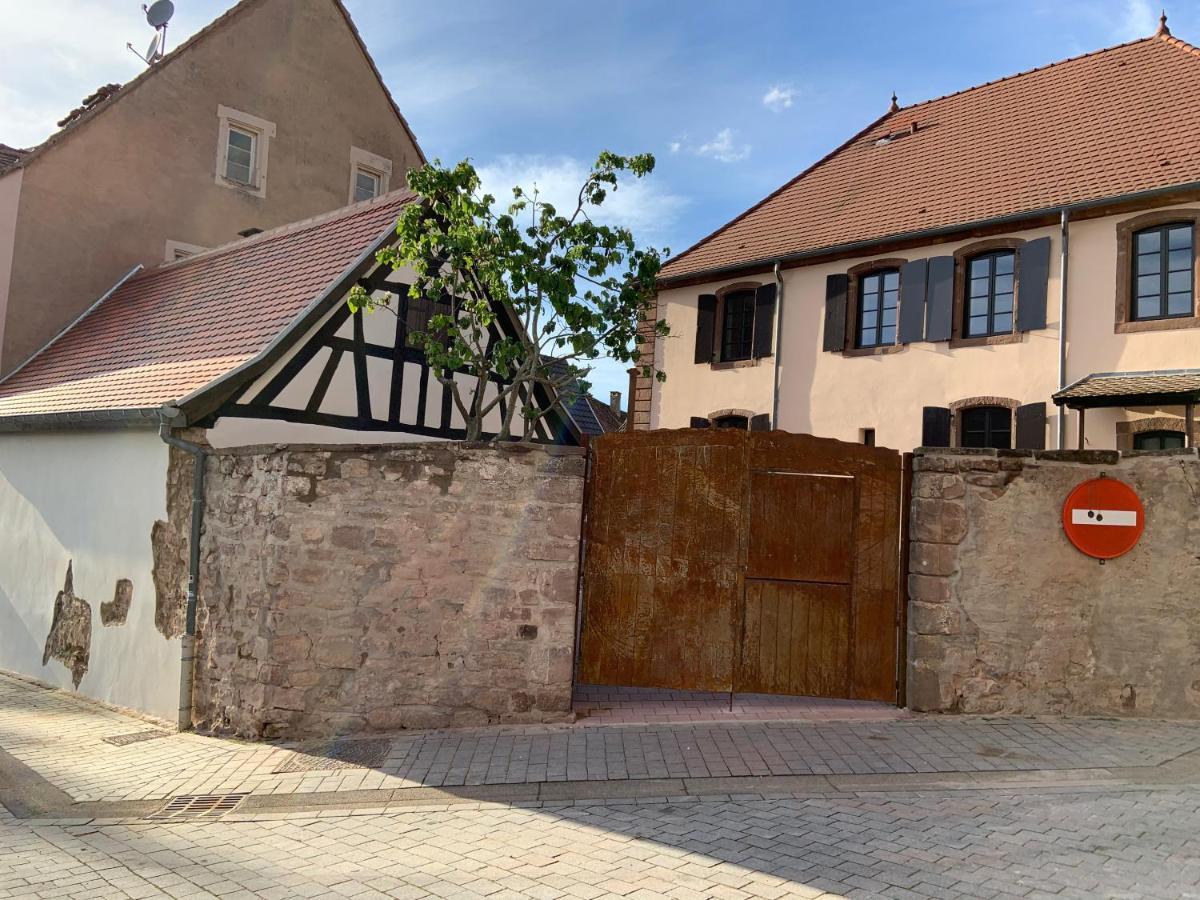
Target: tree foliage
[{"x": 529, "y": 296}]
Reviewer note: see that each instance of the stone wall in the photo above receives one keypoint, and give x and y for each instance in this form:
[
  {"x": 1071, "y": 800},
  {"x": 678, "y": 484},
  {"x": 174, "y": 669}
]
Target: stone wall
[
  {"x": 1005, "y": 615},
  {"x": 353, "y": 589}
]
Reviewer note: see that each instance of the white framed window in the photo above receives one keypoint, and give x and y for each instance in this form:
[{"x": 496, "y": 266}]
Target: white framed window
[
  {"x": 242, "y": 144},
  {"x": 180, "y": 250},
  {"x": 369, "y": 174}
]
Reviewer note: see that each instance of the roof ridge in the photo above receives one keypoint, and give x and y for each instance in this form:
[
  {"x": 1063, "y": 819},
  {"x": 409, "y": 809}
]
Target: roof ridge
[
  {"x": 1179, "y": 43},
  {"x": 342, "y": 212},
  {"x": 1024, "y": 72}
]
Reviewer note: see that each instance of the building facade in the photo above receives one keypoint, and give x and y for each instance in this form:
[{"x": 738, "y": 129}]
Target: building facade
[
  {"x": 909, "y": 288},
  {"x": 272, "y": 114}
]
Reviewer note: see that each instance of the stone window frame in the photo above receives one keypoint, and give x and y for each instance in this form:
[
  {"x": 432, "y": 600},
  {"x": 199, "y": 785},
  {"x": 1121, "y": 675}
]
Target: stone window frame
[
  {"x": 962, "y": 256},
  {"x": 1124, "y": 322},
  {"x": 854, "y": 276},
  {"x": 959, "y": 406},
  {"x": 719, "y": 327},
  {"x": 747, "y": 414},
  {"x": 373, "y": 164},
  {"x": 1127, "y": 429},
  {"x": 262, "y": 130}
]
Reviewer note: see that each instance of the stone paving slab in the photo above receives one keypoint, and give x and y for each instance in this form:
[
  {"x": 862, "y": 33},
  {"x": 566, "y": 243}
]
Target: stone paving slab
[{"x": 978, "y": 845}]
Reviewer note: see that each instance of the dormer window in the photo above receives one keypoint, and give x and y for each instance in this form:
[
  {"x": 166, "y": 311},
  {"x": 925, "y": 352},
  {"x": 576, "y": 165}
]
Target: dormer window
[{"x": 878, "y": 308}]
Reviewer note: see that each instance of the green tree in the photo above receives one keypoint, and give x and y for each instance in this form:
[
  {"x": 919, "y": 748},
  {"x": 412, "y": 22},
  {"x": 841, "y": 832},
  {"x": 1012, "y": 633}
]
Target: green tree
[{"x": 529, "y": 294}]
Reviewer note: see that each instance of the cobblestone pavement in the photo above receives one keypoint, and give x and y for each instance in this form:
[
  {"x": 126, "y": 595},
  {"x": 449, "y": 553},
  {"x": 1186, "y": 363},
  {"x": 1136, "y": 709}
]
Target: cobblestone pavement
[
  {"x": 63, "y": 738},
  {"x": 972, "y": 844}
]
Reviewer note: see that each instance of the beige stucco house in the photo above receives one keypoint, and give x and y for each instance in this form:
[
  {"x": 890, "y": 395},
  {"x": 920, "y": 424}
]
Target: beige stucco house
[
  {"x": 975, "y": 270},
  {"x": 271, "y": 114}
]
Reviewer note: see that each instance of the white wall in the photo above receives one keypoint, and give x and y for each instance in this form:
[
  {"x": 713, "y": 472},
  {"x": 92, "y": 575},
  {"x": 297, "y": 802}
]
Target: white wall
[{"x": 89, "y": 498}]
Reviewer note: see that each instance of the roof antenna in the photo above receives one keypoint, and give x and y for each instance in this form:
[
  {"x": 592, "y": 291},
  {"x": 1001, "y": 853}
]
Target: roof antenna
[
  {"x": 1163, "y": 30},
  {"x": 158, "y": 14},
  {"x": 895, "y": 107}
]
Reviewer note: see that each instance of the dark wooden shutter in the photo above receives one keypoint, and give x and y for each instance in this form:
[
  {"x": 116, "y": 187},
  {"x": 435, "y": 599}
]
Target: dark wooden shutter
[
  {"x": 1031, "y": 426},
  {"x": 836, "y": 287},
  {"x": 764, "y": 319},
  {"x": 1033, "y": 271},
  {"x": 706, "y": 328},
  {"x": 912, "y": 301},
  {"x": 697, "y": 422},
  {"x": 935, "y": 426},
  {"x": 761, "y": 422},
  {"x": 939, "y": 300}
]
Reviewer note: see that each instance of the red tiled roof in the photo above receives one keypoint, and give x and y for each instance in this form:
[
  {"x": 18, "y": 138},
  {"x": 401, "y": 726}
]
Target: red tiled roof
[
  {"x": 170, "y": 331},
  {"x": 10, "y": 155},
  {"x": 1113, "y": 122}
]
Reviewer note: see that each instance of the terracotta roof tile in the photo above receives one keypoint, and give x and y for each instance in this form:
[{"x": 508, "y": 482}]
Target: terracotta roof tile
[
  {"x": 171, "y": 330},
  {"x": 1112, "y": 122}
]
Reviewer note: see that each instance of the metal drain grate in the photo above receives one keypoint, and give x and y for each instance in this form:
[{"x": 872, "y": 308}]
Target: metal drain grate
[
  {"x": 121, "y": 740},
  {"x": 199, "y": 806},
  {"x": 368, "y": 753}
]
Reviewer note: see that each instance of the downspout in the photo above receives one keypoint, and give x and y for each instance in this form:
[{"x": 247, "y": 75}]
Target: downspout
[
  {"x": 1064, "y": 239},
  {"x": 778, "y": 344},
  {"x": 188, "y": 642}
]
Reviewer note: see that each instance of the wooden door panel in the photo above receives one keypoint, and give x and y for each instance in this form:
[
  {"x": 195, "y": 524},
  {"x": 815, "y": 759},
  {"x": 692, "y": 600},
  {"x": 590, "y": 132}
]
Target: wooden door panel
[
  {"x": 797, "y": 639},
  {"x": 801, "y": 527}
]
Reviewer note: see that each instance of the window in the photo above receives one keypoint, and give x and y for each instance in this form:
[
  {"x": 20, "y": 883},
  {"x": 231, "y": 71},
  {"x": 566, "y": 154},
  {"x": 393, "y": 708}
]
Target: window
[
  {"x": 740, "y": 422},
  {"x": 366, "y": 185},
  {"x": 1158, "y": 440},
  {"x": 878, "y": 304},
  {"x": 1162, "y": 272},
  {"x": 988, "y": 308},
  {"x": 242, "y": 144},
  {"x": 239, "y": 156},
  {"x": 986, "y": 426},
  {"x": 867, "y": 437},
  {"x": 369, "y": 174},
  {"x": 737, "y": 326},
  {"x": 179, "y": 250}
]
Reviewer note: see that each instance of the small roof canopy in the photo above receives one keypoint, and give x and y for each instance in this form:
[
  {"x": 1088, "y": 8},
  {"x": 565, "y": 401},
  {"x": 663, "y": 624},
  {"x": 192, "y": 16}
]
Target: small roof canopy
[{"x": 1167, "y": 387}]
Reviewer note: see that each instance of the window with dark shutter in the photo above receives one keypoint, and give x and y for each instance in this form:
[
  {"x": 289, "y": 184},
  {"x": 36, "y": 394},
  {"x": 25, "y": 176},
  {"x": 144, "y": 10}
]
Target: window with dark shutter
[
  {"x": 732, "y": 421},
  {"x": 1031, "y": 426},
  {"x": 939, "y": 303},
  {"x": 761, "y": 422},
  {"x": 986, "y": 426},
  {"x": 836, "y": 288},
  {"x": 1162, "y": 272},
  {"x": 698, "y": 422},
  {"x": 935, "y": 426},
  {"x": 737, "y": 326},
  {"x": 878, "y": 308},
  {"x": 764, "y": 320},
  {"x": 990, "y": 289},
  {"x": 706, "y": 327},
  {"x": 1034, "y": 264}
]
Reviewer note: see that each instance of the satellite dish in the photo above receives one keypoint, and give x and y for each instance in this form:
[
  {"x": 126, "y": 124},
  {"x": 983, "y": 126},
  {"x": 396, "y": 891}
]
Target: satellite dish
[
  {"x": 159, "y": 13},
  {"x": 152, "y": 51}
]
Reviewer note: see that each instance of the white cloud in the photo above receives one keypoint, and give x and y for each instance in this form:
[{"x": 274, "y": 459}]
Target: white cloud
[
  {"x": 1137, "y": 20},
  {"x": 641, "y": 205},
  {"x": 778, "y": 98},
  {"x": 723, "y": 149},
  {"x": 676, "y": 146}
]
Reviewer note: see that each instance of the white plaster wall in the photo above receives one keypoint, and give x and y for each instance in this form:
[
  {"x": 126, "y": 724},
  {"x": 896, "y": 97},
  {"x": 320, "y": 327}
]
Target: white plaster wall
[{"x": 89, "y": 498}]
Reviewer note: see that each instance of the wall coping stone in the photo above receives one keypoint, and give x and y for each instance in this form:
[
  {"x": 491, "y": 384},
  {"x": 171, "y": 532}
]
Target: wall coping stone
[{"x": 512, "y": 447}]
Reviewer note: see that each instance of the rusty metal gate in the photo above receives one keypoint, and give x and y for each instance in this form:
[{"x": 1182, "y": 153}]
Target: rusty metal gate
[{"x": 728, "y": 560}]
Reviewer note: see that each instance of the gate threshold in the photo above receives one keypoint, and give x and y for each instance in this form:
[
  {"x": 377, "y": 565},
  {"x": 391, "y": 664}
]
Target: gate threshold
[{"x": 597, "y": 704}]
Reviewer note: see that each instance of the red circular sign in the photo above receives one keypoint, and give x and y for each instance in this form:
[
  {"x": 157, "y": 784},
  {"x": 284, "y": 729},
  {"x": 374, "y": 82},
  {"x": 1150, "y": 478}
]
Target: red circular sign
[{"x": 1103, "y": 518}]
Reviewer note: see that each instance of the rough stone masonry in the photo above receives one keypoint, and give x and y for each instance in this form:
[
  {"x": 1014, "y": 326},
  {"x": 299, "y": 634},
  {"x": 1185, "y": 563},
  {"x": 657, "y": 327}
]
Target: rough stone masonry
[
  {"x": 354, "y": 589},
  {"x": 1006, "y": 616}
]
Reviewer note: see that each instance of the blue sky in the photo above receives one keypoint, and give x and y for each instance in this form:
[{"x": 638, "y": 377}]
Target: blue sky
[{"x": 732, "y": 97}]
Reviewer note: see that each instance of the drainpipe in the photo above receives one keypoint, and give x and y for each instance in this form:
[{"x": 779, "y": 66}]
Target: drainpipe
[
  {"x": 1064, "y": 239},
  {"x": 188, "y": 650},
  {"x": 778, "y": 344}
]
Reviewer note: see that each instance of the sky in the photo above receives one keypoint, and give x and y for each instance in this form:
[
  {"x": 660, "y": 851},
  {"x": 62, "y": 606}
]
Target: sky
[{"x": 733, "y": 97}]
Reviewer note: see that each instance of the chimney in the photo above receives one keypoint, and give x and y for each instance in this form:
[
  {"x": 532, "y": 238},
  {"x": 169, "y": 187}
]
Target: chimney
[{"x": 614, "y": 401}]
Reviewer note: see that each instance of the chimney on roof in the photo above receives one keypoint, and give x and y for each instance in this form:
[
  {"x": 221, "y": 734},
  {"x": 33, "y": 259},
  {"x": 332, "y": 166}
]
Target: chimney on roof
[
  {"x": 895, "y": 107},
  {"x": 1163, "y": 30},
  {"x": 614, "y": 401}
]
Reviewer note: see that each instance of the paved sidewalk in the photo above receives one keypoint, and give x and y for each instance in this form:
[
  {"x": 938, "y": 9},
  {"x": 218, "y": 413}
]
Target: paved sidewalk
[
  {"x": 64, "y": 739},
  {"x": 911, "y": 807}
]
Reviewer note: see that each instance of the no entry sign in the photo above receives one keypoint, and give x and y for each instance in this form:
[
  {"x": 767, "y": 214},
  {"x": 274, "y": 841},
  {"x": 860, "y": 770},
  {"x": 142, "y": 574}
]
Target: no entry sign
[{"x": 1103, "y": 518}]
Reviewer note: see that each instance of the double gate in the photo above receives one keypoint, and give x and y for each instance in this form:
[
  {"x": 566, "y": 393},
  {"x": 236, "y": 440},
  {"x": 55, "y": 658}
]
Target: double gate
[{"x": 725, "y": 560}]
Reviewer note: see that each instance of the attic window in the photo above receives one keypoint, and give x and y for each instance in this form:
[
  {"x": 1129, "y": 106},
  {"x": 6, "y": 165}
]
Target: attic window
[
  {"x": 369, "y": 174},
  {"x": 242, "y": 144}
]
